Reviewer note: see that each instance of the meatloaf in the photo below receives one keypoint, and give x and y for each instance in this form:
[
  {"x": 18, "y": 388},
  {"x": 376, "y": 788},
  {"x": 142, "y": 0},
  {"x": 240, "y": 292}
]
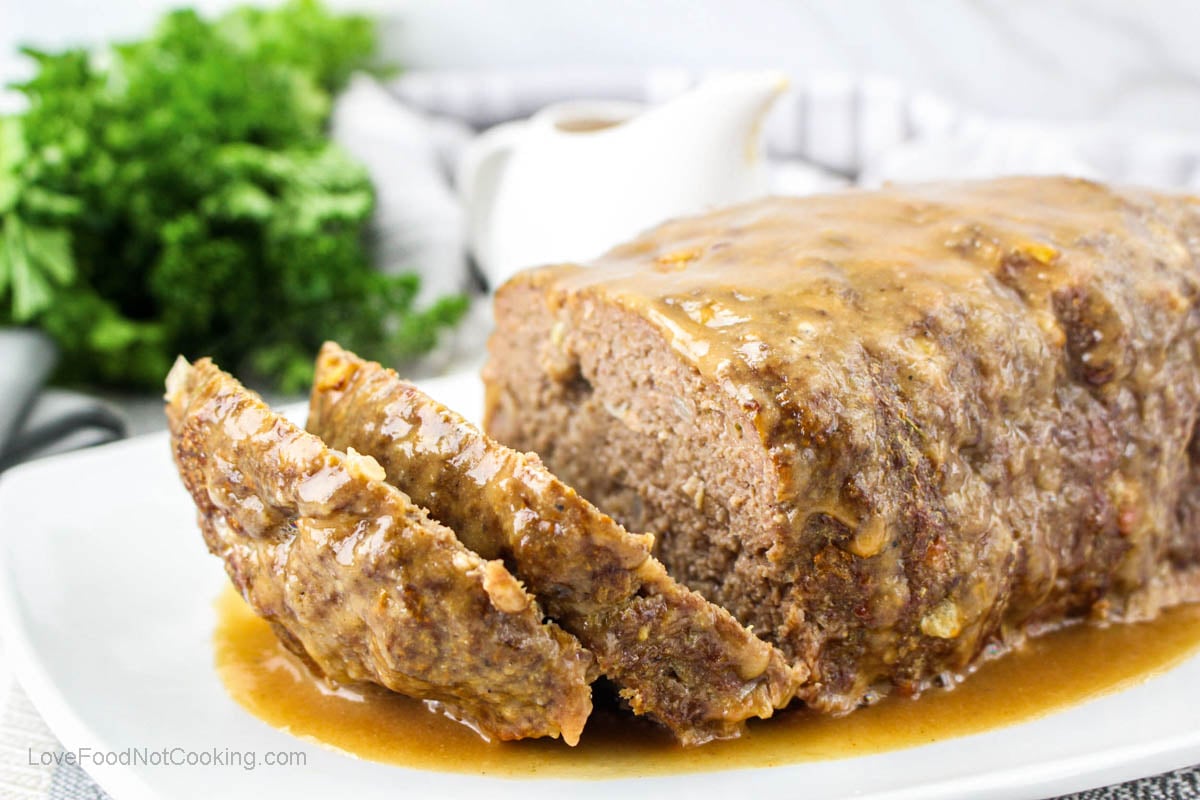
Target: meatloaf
[
  {"x": 896, "y": 431},
  {"x": 673, "y": 655},
  {"x": 360, "y": 582}
]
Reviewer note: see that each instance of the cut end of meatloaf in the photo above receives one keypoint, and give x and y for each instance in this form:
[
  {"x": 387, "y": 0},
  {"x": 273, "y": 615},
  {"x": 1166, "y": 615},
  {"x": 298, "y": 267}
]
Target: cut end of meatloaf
[
  {"x": 632, "y": 428},
  {"x": 360, "y": 582},
  {"x": 891, "y": 431},
  {"x": 673, "y": 655}
]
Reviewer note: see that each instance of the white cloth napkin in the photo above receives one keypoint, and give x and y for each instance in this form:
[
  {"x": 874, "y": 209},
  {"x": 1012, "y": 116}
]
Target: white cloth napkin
[
  {"x": 418, "y": 220},
  {"x": 828, "y": 131}
]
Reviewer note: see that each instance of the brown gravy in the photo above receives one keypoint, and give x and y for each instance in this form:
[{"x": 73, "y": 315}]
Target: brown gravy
[
  {"x": 586, "y": 124},
  {"x": 1050, "y": 673}
]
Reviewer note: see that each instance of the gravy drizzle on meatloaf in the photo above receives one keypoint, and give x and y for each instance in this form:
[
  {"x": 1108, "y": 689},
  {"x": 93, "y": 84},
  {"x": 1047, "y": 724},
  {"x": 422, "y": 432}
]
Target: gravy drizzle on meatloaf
[
  {"x": 673, "y": 655},
  {"x": 357, "y": 580},
  {"x": 894, "y": 431}
]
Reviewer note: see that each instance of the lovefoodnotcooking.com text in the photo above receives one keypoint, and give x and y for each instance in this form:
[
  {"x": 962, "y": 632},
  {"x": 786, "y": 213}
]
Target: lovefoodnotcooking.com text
[{"x": 169, "y": 757}]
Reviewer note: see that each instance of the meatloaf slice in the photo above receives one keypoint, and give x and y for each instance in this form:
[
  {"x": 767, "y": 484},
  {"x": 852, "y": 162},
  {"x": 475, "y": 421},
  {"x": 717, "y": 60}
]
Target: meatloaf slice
[
  {"x": 674, "y": 656},
  {"x": 895, "y": 431},
  {"x": 359, "y": 581}
]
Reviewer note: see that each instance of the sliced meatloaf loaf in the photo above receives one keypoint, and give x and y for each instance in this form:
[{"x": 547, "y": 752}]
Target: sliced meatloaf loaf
[
  {"x": 893, "y": 431},
  {"x": 672, "y": 654},
  {"x": 360, "y": 582}
]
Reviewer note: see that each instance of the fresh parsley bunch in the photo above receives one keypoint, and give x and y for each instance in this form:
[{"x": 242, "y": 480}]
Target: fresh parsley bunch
[{"x": 180, "y": 195}]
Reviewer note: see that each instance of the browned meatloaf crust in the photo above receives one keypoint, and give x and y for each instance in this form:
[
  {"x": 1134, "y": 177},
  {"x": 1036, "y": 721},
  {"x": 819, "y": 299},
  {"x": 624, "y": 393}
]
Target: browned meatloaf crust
[
  {"x": 359, "y": 581},
  {"x": 893, "y": 431},
  {"x": 673, "y": 655}
]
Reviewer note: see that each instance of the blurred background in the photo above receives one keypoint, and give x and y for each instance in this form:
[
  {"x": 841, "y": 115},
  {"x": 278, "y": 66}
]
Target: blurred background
[
  {"x": 245, "y": 182},
  {"x": 1082, "y": 60}
]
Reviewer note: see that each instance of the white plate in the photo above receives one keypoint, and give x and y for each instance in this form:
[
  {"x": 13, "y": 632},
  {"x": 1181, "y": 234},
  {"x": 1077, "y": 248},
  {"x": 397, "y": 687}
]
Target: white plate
[{"x": 107, "y": 610}]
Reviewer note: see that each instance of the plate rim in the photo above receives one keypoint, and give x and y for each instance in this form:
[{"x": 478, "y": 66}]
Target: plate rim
[{"x": 51, "y": 703}]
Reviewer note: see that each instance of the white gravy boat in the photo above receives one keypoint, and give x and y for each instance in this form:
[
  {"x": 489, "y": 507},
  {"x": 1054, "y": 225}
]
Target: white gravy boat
[{"x": 579, "y": 177}]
